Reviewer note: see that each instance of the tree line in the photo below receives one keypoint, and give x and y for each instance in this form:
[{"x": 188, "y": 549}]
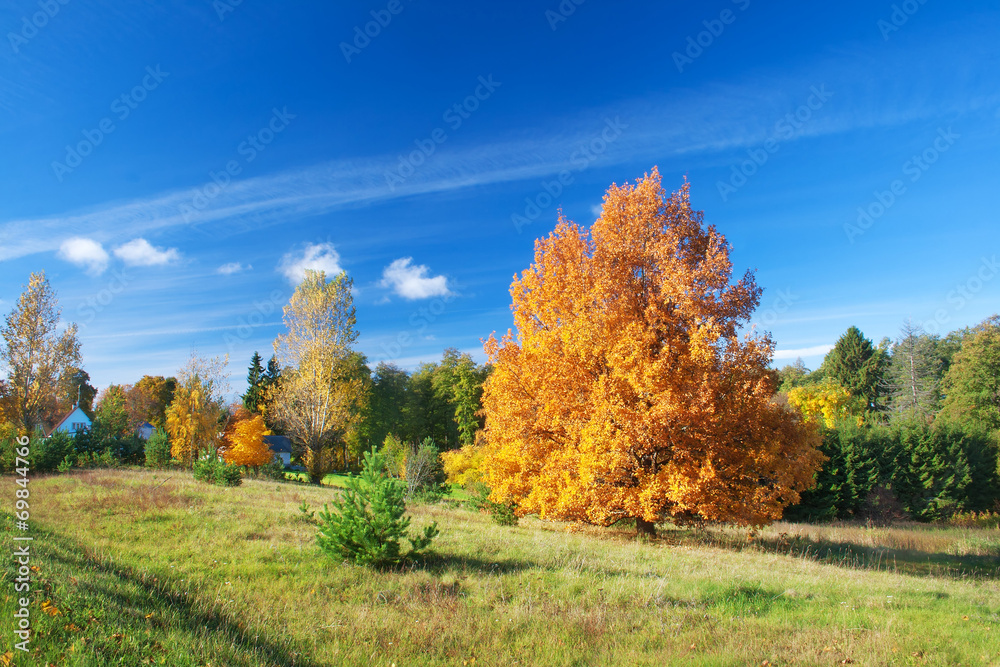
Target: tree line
[
  {"x": 909, "y": 425},
  {"x": 309, "y": 372}
]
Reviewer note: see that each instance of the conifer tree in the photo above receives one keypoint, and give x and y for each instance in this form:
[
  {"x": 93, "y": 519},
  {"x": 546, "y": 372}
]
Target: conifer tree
[{"x": 367, "y": 522}]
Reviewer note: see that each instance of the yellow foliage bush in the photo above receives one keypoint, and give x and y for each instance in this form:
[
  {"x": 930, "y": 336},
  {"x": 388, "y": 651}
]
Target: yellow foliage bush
[
  {"x": 462, "y": 465},
  {"x": 246, "y": 444},
  {"x": 827, "y": 401}
]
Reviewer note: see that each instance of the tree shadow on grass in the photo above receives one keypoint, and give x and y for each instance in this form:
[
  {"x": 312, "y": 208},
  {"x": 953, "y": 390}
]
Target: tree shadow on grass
[
  {"x": 438, "y": 563},
  {"x": 745, "y": 600},
  {"x": 847, "y": 554},
  {"x": 124, "y": 616}
]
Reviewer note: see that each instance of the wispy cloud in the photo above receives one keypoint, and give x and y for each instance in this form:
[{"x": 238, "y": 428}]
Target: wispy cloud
[
  {"x": 816, "y": 350},
  {"x": 707, "y": 121},
  {"x": 314, "y": 256},
  {"x": 412, "y": 282},
  {"x": 85, "y": 252},
  {"x": 174, "y": 332},
  {"x": 140, "y": 252},
  {"x": 233, "y": 267}
]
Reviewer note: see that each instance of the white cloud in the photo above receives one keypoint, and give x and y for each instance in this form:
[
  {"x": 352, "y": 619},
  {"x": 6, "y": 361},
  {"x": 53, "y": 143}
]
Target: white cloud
[
  {"x": 411, "y": 282},
  {"x": 85, "y": 252},
  {"x": 814, "y": 351},
  {"x": 316, "y": 256},
  {"x": 597, "y": 210},
  {"x": 233, "y": 267},
  {"x": 140, "y": 252}
]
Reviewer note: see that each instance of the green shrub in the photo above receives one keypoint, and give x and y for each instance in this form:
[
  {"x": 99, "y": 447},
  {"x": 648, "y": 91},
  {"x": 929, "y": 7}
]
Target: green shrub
[
  {"x": 158, "y": 450},
  {"x": 501, "y": 513},
  {"x": 215, "y": 471},
  {"x": 985, "y": 519},
  {"x": 95, "y": 441},
  {"x": 47, "y": 453},
  {"x": 394, "y": 453},
  {"x": 273, "y": 470},
  {"x": 8, "y": 443},
  {"x": 227, "y": 474},
  {"x": 425, "y": 478},
  {"x": 204, "y": 470},
  {"x": 366, "y": 523},
  {"x": 419, "y": 466},
  {"x": 306, "y": 513},
  {"x": 89, "y": 460}
]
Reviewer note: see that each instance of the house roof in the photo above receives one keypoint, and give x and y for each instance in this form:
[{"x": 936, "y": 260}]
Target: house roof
[
  {"x": 279, "y": 444},
  {"x": 66, "y": 419}
]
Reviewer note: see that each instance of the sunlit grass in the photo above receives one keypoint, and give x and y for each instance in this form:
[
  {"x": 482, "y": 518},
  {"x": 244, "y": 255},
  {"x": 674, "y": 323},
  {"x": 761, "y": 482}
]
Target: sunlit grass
[
  {"x": 339, "y": 480},
  {"x": 151, "y": 567}
]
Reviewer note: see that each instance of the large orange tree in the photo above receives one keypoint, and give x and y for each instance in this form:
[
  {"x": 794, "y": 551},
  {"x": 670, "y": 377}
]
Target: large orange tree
[{"x": 629, "y": 391}]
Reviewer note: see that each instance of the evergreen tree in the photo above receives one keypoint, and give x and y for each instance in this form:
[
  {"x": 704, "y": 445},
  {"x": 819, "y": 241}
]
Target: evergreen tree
[
  {"x": 256, "y": 380},
  {"x": 913, "y": 375},
  {"x": 272, "y": 375},
  {"x": 932, "y": 475},
  {"x": 851, "y": 471},
  {"x": 384, "y": 413},
  {"x": 858, "y": 366},
  {"x": 366, "y": 523}
]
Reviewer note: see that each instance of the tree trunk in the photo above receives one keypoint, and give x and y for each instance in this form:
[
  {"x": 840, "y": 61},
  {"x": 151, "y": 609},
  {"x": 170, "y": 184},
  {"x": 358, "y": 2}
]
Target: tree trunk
[{"x": 643, "y": 527}]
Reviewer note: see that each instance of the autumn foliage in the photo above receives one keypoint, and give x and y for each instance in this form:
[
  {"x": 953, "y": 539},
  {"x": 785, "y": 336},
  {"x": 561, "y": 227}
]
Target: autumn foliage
[
  {"x": 629, "y": 391},
  {"x": 827, "y": 401},
  {"x": 189, "y": 424},
  {"x": 244, "y": 440}
]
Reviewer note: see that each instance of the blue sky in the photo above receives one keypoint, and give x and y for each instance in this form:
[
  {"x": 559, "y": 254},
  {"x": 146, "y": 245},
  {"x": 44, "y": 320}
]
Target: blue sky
[{"x": 173, "y": 166}]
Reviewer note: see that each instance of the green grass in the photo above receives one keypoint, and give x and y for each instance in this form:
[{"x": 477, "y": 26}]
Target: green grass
[
  {"x": 339, "y": 480},
  {"x": 155, "y": 568}
]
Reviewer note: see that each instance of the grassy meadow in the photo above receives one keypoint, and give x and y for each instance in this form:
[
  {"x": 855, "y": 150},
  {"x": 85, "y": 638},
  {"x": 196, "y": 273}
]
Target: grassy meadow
[{"x": 142, "y": 567}]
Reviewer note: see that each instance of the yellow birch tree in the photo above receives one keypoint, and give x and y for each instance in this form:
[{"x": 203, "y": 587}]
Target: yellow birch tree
[
  {"x": 318, "y": 398},
  {"x": 35, "y": 353}
]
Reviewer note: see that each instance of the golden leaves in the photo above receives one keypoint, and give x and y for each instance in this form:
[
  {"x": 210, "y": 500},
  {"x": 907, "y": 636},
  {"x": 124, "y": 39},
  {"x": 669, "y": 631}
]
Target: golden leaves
[
  {"x": 627, "y": 392},
  {"x": 827, "y": 401},
  {"x": 246, "y": 446},
  {"x": 50, "y": 609}
]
